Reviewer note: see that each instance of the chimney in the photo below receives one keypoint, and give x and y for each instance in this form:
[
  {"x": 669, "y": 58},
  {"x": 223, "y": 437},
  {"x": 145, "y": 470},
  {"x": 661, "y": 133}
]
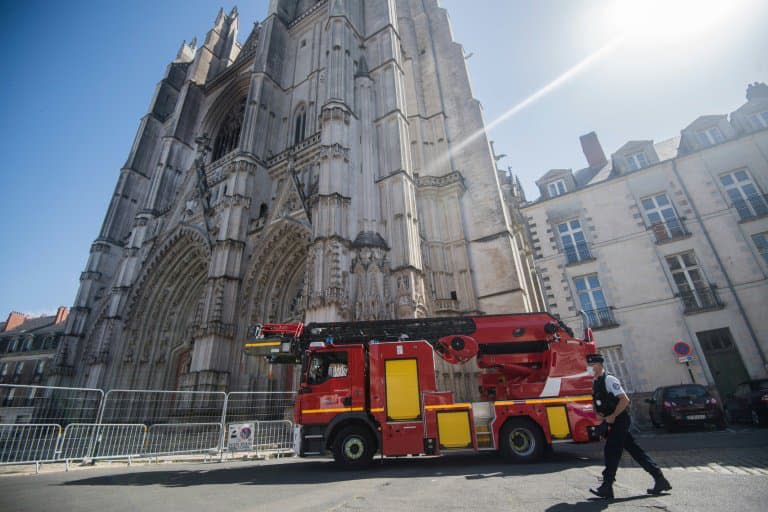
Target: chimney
[
  {"x": 61, "y": 315},
  {"x": 593, "y": 150},
  {"x": 15, "y": 319},
  {"x": 757, "y": 90}
]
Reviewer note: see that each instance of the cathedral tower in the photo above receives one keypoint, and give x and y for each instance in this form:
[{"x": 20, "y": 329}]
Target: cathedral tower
[{"x": 332, "y": 167}]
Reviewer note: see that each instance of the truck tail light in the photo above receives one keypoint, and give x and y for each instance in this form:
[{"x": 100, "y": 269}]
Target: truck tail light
[{"x": 711, "y": 401}]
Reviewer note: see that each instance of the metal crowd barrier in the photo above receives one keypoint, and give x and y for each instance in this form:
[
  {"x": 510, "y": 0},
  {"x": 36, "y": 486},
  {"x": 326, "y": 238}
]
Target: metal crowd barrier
[
  {"x": 29, "y": 443},
  {"x": 183, "y": 438},
  {"x": 74, "y": 424},
  {"x": 274, "y": 437}
]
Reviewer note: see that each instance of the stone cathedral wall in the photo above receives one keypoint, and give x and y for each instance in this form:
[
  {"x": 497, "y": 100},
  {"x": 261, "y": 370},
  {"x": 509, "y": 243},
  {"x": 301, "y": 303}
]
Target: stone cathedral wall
[{"x": 334, "y": 166}]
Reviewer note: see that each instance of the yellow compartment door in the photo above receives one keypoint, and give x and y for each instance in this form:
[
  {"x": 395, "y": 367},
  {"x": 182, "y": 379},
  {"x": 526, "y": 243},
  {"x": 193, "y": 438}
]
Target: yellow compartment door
[
  {"x": 558, "y": 422},
  {"x": 453, "y": 429},
  {"x": 402, "y": 381}
]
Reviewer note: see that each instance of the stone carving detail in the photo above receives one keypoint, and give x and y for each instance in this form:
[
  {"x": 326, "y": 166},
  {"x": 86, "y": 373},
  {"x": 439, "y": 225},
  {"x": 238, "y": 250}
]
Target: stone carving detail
[
  {"x": 369, "y": 271},
  {"x": 334, "y": 151}
]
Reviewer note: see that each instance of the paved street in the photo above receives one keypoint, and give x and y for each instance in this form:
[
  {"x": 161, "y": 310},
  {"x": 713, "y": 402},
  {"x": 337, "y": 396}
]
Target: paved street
[{"x": 709, "y": 471}]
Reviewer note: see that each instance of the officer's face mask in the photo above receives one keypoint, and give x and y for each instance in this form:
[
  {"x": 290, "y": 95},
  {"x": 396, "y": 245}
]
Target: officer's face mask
[{"x": 591, "y": 370}]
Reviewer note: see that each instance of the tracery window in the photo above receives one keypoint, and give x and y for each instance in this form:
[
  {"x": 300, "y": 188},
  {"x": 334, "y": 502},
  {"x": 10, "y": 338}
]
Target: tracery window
[
  {"x": 299, "y": 124},
  {"x": 228, "y": 136}
]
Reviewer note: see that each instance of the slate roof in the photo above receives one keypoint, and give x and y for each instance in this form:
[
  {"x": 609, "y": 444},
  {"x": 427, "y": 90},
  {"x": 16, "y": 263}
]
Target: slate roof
[{"x": 32, "y": 324}]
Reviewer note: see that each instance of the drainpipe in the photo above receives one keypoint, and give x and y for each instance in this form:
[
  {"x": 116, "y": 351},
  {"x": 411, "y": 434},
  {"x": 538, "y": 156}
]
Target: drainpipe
[{"x": 722, "y": 267}]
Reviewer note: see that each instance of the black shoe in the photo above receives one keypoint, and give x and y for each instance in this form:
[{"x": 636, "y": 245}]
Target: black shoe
[
  {"x": 660, "y": 484},
  {"x": 604, "y": 491}
]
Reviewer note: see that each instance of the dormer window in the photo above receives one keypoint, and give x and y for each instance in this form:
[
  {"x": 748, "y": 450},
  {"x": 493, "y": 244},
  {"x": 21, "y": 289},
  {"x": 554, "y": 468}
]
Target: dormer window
[
  {"x": 710, "y": 136},
  {"x": 758, "y": 120},
  {"x": 637, "y": 161},
  {"x": 556, "y": 188}
]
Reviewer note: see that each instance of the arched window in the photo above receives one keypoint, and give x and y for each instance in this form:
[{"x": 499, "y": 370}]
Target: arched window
[
  {"x": 229, "y": 131},
  {"x": 299, "y": 124}
]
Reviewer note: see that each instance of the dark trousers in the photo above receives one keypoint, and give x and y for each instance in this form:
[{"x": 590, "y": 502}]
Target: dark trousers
[{"x": 620, "y": 439}]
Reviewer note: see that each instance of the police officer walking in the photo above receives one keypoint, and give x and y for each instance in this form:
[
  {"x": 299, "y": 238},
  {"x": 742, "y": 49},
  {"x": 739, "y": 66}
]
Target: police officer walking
[{"x": 611, "y": 403}]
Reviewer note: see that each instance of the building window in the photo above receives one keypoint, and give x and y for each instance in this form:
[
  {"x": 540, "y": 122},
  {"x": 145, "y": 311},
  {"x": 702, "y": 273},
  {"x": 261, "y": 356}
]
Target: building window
[
  {"x": 9, "y": 397},
  {"x": 744, "y": 194},
  {"x": 693, "y": 289},
  {"x": 574, "y": 242},
  {"x": 299, "y": 124},
  {"x": 3, "y": 369},
  {"x": 637, "y": 161},
  {"x": 27, "y": 345},
  {"x": 40, "y": 367},
  {"x": 710, "y": 136},
  {"x": 229, "y": 132},
  {"x": 759, "y": 120},
  {"x": 615, "y": 365},
  {"x": 592, "y": 300},
  {"x": 13, "y": 345},
  {"x": 662, "y": 217},
  {"x": 556, "y": 188},
  {"x": 19, "y": 368},
  {"x": 761, "y": 241}
]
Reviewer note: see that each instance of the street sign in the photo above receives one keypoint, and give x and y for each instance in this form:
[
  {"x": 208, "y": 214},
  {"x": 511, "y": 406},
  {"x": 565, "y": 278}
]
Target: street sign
[
  {"x": 685, "y": 359},
  {"x": 682, "y": 349}
]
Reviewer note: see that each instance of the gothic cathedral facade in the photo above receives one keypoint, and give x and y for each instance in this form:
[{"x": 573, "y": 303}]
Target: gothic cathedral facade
[{"x": 333, "y": 167}]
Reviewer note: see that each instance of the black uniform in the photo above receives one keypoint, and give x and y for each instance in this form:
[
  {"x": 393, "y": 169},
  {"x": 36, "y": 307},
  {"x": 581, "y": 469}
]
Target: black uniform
[{"x": 619, "y": 438}]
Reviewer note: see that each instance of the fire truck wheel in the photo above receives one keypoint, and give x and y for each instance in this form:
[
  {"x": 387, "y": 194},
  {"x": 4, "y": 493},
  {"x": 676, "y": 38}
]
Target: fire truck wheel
[
  {"x": 522, "y": 440},
  {"x": 353, "y": 447}
]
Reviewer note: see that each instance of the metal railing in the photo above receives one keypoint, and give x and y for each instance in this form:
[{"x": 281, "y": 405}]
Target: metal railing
[
  {"x": 601, "y": 318},
  {"x": 577, "y": 253},
  {"x": 184, "y": 438},
  {"x": 700, "y": 299},
  {"x": 28, "y": 443},
  {"x": 71, "y": 424},
  {"x": 273, "y": 437},
  {"x": 752, "y": 207},
  {"x": 671, "y": 229}
]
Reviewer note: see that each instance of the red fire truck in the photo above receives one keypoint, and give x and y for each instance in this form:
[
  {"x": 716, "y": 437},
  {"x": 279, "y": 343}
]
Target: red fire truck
[{"x": 370, "y": 387}]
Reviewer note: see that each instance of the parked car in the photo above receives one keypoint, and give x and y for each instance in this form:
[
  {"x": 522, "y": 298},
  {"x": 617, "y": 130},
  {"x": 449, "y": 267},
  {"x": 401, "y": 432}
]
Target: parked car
[
  {"x": 748, "y": 402},
  {"x": 684, "y": 405}
]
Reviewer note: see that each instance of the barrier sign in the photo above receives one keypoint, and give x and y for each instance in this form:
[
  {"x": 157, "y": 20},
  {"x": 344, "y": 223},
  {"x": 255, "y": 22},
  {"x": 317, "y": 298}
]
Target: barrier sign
[
  {"x": 685, "y": 359},
  {"x": 240, "y": 437}
]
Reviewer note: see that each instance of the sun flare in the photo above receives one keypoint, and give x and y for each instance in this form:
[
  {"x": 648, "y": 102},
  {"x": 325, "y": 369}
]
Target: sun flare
[{"x": 670, "y": 20}]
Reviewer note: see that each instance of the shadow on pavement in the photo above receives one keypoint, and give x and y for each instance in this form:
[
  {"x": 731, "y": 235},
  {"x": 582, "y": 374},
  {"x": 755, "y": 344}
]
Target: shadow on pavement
[
  {"x": 594, "y": 504},
  {"x": 472, "y": 467}
]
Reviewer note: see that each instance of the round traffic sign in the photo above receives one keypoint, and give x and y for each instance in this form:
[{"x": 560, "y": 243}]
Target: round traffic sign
[{"x": 681, "y": 348}]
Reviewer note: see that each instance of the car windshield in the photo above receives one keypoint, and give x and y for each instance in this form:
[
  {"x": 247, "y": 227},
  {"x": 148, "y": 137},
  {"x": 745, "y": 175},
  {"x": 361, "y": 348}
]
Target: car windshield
[
  {"x": 685, "y": 391},
  {"x": 760, "y": 385}
]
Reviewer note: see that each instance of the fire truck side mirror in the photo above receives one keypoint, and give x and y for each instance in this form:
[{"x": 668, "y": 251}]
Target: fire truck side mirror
[{"x": 550, "y": 328}]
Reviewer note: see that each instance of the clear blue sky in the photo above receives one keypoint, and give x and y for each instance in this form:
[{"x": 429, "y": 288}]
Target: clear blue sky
[{"x": 79, "y": 75}]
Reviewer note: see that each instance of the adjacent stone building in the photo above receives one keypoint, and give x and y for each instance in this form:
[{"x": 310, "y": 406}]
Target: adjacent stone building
[
  {"x": 27, "y": 348},
  {"x": 665, "y": 242},
  {"x": 310, "y": 173}
]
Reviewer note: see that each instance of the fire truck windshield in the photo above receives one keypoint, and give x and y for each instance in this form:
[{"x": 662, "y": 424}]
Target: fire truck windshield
[{"x": 327, "y": 365}]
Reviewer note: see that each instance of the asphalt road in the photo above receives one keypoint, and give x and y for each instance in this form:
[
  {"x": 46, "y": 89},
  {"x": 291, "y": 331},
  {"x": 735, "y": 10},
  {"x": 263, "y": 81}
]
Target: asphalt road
[{"x": 708, "y": 470}]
